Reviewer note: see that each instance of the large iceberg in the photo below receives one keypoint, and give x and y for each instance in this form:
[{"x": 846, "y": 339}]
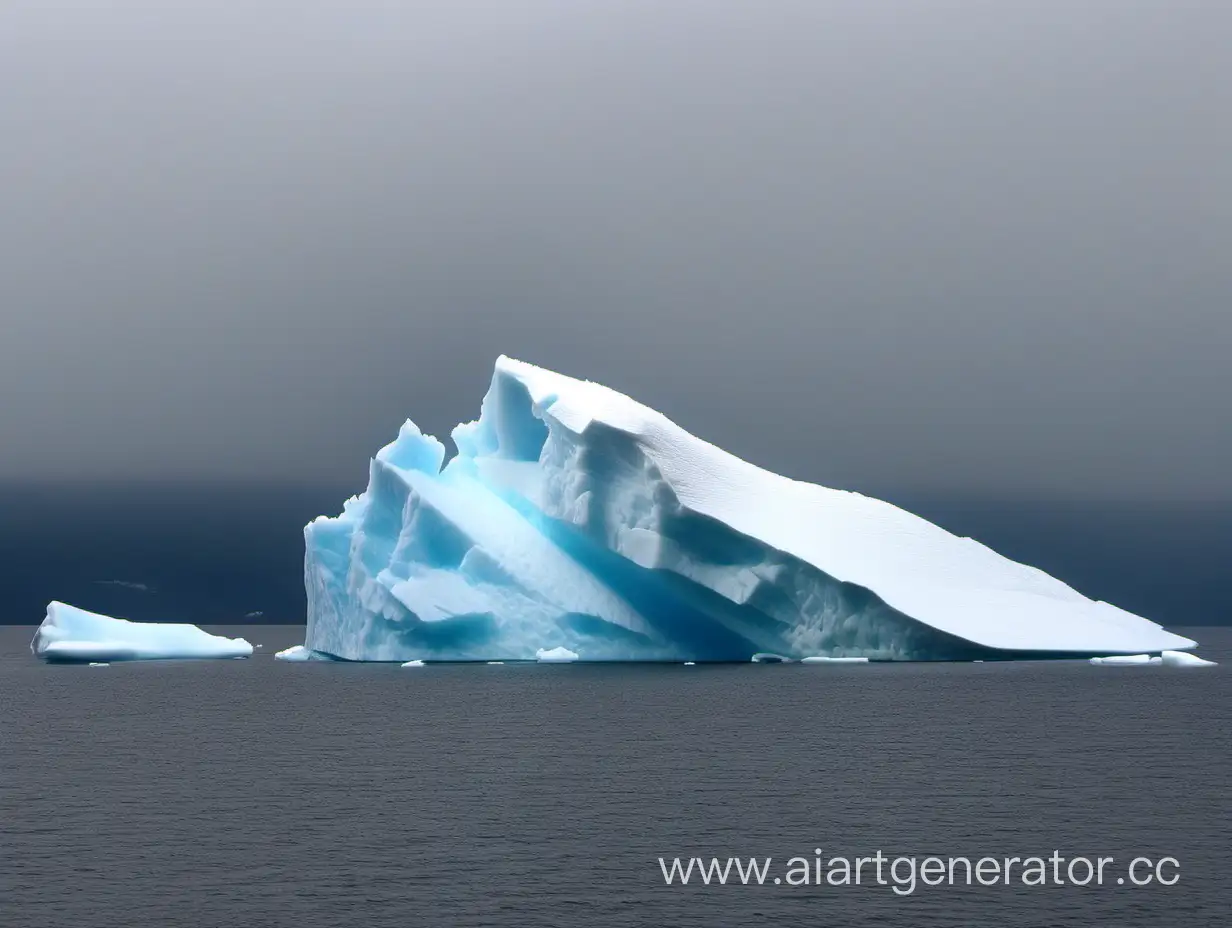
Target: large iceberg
[
  {"x": 71, "y": 635},
  {"x": 575, "y": 518}
]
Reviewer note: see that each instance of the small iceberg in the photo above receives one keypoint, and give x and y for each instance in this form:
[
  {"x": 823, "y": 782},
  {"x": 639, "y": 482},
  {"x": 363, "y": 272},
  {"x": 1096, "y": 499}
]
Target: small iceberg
[
  {"x": 99, "y": 664},
  {"x": 1183, "y": 659},
  {"x": 834, "y": 660},
  {"x": 495, "y": 663},
  {"x": 299, "y": 654},
  {"x": 690, "y": 663},
  {"x": 765, "y": 657},
  {"x": 555, "y": 656},
  {"x": 1124, "y": 660},
  {"x": 72, "y": 635},
  {"x": 415, "y": 663}
]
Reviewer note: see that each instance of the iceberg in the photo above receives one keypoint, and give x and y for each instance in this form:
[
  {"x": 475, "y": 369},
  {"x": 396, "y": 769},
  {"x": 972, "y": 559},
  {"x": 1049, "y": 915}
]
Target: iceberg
[
  {"x": 573, "y": 517},
  {"x": 1182, "y": 659},
  {"x": 1125, "y": 660},
  {"x": 415, "y": 663},
  {"x": 299, "y": 654},
  {"x": 71, "y": 635},
  {"x": 555, "y": 656}
]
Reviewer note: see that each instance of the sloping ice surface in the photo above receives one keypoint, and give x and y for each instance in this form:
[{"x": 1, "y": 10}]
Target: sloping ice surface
[{"x": 574, "y": 517}]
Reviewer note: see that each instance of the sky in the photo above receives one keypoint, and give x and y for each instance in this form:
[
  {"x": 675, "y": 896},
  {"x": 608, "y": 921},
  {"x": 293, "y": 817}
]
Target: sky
[{"x": 939, "y": 246}]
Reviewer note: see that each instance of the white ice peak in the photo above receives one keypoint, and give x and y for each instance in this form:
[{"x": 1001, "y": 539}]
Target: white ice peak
[{"x": 574, "y": 517}]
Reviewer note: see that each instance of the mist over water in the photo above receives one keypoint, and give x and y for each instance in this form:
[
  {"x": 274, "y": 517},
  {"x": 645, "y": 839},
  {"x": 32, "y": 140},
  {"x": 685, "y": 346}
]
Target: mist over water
[{"x": 210, "y": 554}]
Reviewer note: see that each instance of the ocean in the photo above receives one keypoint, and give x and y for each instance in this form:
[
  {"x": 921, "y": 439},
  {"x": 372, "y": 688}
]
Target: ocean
[{"x": 260, "y": 794}]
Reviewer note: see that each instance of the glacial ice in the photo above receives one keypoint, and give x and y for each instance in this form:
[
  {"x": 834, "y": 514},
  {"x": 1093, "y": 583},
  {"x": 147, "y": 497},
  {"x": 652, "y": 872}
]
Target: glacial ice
[
  {"x": 555, "y": 656},
  {"x": 1183, "y": 659},
  {"x": 1123, "y": 660},
  {"x": 820, "y": 659},
  {"x": 299, "y": 654},
  {"x": 415, "y": 663},
  {"x": 71, "y": 635},
  {"x": 1167, "y": 658},
  {"x": 574, "y": 517}
]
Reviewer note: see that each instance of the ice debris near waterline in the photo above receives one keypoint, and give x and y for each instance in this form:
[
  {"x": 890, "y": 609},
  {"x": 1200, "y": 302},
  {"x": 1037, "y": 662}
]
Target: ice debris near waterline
[
  {"x": 299, "y": 654},
  {"x": 71, "y": 635},
  {"x": 555, "y": 656},
  {"x": 1166, "y": 658},
  {"x": 1183, "y": 659},
  {"x": 574, "y": 517}
]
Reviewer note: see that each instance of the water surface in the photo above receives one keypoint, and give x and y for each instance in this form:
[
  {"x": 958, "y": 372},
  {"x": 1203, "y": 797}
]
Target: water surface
[{"x": 261, "y": 794}]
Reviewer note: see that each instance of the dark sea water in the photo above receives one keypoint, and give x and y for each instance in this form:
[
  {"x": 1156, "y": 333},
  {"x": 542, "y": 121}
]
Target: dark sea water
[{"x": 256, "y": 793}]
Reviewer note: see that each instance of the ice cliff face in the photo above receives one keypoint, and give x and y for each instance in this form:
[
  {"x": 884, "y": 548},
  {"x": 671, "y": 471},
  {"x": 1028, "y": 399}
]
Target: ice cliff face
[{"x": 573, "y": 517}]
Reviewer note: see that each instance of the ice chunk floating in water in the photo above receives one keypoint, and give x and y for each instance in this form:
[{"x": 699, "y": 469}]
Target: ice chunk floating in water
[
  {"x": 69, "y": 634},
  {"x": 299, "y": 654},
  {"x": 574, "y": 517},
  {"x": 555, "y": 656},
  {"x": 1125, "y": 660},
  {"x": 1182, "y": 659}
]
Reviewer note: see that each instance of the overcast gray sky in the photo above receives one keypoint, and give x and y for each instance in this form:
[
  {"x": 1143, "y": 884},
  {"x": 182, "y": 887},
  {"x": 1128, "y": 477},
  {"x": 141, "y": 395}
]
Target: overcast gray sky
[{"x": 930, "y": 245}]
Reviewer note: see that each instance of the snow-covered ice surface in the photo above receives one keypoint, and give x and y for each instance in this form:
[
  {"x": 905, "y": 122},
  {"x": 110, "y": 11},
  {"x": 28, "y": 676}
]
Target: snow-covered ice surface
[
  {"x": 1167, "y": 658},
  {"x": 1124, "y": 660},
  {"x": 555, "y": 656},
  {"x": 299, "y": 654},
  {"x": 1183, "y": 659},
  {"x": 69, "y": 634},
  {"x": 574, "y": 517}
]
